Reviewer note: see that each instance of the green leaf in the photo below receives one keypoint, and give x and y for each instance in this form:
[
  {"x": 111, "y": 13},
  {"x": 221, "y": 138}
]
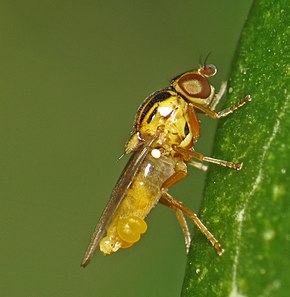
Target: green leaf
[{"x": 248, "y": 211}]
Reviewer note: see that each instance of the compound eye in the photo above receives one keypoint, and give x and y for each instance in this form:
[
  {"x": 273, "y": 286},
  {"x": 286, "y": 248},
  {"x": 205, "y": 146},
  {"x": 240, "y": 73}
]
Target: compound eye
[
  {"x": 193, "y": 85},
  {"x": 208, "y": 70}
]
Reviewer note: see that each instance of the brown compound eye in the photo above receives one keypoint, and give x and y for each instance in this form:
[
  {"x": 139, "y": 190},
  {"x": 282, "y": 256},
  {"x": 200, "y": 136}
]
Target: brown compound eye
[
  {"x": 193, "y": 85},
  {"x": 208, "y": 70}
]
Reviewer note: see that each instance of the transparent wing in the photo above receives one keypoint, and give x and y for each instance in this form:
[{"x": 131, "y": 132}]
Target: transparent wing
[{"x": 117, "y": 196}]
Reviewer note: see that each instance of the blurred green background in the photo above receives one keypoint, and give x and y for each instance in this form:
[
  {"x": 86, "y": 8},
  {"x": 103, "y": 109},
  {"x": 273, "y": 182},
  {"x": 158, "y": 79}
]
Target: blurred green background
[{"x": 73, "y": 74}]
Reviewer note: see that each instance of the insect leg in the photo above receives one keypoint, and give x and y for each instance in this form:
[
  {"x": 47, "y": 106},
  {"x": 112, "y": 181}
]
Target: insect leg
[
  {"x": 184, "y": 228},
  {"x": 216, "y": 99},
  {"x": 198, "y": 165},
  {"x": 182, "y": 222},
  {"x": 188, "y": 154},
  {"x": 171, "y": 202},
  {"x": 180, "y": 173},
  {"x": 224, "y": 112},
  {"x": 173, "y": 179}
]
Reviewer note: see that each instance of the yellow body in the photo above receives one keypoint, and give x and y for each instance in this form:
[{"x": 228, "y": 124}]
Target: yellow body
[
  {"x": 166, "y": 112},
  {"x": 165, "y": 129},
  {"x": 128, "y": 222},
  {"x": 169, "y": 115}
]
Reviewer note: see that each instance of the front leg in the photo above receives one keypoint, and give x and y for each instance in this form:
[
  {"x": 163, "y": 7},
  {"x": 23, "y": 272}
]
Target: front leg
[{"x": 223, "y": 113}]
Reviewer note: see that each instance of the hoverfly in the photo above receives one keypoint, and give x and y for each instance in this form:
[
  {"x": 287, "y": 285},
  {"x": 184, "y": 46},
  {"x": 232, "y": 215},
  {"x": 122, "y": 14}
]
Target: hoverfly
[{"x": 165, "y": 129}]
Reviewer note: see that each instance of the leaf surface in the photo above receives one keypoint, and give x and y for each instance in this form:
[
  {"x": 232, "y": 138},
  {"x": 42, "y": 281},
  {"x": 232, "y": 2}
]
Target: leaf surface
[{"x": 248, "y": 211}]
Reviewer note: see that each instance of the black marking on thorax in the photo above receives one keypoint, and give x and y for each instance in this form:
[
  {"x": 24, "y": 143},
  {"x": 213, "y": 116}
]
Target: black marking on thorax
[{"x": 159, "y": 96}]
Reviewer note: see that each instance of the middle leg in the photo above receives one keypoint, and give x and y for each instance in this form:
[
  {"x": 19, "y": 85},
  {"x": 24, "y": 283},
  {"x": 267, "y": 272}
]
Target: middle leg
[{"x": 188, "y": 154}]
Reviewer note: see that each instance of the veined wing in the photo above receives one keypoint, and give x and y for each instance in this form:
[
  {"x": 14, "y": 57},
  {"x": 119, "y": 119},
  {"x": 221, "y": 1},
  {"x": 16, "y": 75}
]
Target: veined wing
[{"x": 117, "y": 196}]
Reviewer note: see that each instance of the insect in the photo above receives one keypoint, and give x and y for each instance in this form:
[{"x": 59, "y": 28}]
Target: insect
[{"x": 165, "y": 130}]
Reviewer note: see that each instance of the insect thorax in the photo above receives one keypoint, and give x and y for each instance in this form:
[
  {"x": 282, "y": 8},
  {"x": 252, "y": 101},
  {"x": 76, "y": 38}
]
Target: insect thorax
[{"x": 167, "y": 112}]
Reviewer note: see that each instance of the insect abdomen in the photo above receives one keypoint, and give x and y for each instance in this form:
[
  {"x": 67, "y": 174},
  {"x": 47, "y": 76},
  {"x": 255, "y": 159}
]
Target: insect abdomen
[{"x": 128, "y": 222}]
